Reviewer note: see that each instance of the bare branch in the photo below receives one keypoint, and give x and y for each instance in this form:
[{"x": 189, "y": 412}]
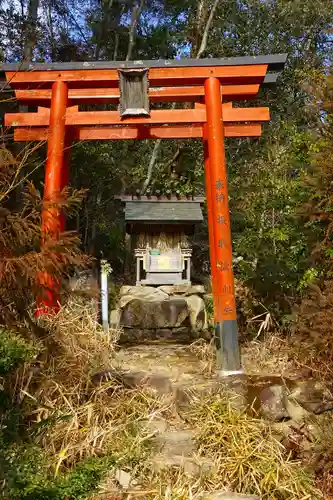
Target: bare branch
[
  {"x": 17, "y": 178},
  {"x": 151, "y": 165},
  {"x": 204, "y": 39},
  {"x": 173, "y": 159},
  {"x": 199, "y": 22},
  {"x": 137, "y": 9},
  {"x": 116, "y": 36},
  {"x": 116, "y": 46}
]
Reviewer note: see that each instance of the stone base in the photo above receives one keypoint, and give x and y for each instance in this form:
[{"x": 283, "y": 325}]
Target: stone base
[
  {"x": 145, "y": 313},
  {"x": 181, "y": 335}
]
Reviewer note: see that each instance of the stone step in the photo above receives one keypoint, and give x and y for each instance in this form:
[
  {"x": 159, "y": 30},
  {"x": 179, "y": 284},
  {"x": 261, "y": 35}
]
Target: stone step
[
  {"x": 174, "y": 370},
  {"x": 291, "y": 399},
  {"x": 179, "y": 335}
]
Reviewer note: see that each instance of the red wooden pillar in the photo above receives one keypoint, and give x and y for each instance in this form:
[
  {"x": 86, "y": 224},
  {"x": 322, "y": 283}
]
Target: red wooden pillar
[
  {"x": 52, "y": 220},
  {"x": 210, "y": 216},
  {"x": 226, "y": 330},
  {"x": 65, "y": 172}
]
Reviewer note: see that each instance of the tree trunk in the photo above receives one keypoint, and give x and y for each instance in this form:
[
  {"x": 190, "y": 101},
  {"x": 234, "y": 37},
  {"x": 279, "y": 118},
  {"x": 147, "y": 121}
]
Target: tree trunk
[
  {"x": 30, "y": 36},
  {"x": 30, "y": 30},
  {"x": 50, "y": 25},
  {"x": 136, "y": 12}
]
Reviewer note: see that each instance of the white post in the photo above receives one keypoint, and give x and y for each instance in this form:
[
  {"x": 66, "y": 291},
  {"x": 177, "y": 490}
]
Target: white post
[
  {"x": 105, "y": 295},
  {"x": 138, "y": 262},
  {"x": 188, "y": 270}
]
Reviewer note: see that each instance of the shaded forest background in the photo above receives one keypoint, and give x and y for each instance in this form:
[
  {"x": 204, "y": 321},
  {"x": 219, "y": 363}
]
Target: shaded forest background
[{"x": 275, "y": 186}]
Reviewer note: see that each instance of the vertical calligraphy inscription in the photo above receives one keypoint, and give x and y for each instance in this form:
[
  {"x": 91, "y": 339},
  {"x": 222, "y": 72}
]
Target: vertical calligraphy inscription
[
  {"x": 220, "y": 200},
  {"x": 219, "y": 185},
  {"x": 221, "y": 219},
  {"x": 223, "y": 261}
]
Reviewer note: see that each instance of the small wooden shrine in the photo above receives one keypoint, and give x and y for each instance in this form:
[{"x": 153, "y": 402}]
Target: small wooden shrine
[{"x": 161, "y": 230}]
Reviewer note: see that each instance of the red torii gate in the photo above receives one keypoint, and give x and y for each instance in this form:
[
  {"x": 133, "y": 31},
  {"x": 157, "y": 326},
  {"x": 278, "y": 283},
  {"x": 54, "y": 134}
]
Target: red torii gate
[{"x": 211, "y": 84}]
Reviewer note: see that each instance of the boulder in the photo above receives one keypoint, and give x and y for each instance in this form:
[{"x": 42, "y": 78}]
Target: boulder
[
  {"x": 147, "y": 293},
  {"x": 155, "y": 426},
  {"x": 165, "y": 314},
  {"x": 272, "y": 404},
  {"x": 277, "y": 398},
  {"x": 123, "y": 478},
  {"x": 131, "y": 380},
  {"x": 312, "y": 395},
  {"x": 134, "y": 336},
  {"x": 149, "y": 308},
  {"x": 190, "y": 465},
  {"x": 197, "y": 312},
  {"x": 176, "y": 448},
  {"x": 184, "y": 290},
  {"x": 174, "y": 442},
  {"x": 115, "y": 318},
  {"x": 295, "y": 411}
]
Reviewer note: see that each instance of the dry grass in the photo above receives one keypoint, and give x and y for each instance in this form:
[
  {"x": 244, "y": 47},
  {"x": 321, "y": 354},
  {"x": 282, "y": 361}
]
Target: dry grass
[
  {"x": 245, "y": 457},
  {"x": 74, "y": 420},
  {"x": 206, "y": 354},
  {"x": 271, "y": 355}
]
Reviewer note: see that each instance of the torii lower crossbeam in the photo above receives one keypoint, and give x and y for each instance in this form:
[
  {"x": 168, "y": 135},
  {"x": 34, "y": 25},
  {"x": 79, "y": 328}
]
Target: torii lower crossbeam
[{"x": 137, "y": 132}]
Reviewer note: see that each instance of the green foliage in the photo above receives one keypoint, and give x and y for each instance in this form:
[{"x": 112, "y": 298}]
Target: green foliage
[
  {"x": 83, "y": 480},
  {"x": 320, "y": 176},
  {"x": 11, "y": 419},
  {"x": 209, "y": 308},
  {"x": 269, "y": 235},
  {"x": 13, "y": 351},
  {"x": 310, "y": 276},
  {"x": 24, "y": 470}
]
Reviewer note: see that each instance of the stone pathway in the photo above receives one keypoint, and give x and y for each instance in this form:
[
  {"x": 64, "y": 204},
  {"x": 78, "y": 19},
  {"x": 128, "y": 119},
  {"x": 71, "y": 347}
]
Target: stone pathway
[
  {"x": 178, "y": 362},
  {"x": 185, "y": 372},
  {"x": 181, "y": 370}
]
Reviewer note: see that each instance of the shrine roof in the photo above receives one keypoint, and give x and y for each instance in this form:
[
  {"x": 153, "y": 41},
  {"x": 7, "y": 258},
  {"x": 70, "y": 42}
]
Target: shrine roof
[{"x": 164, "y": 210}]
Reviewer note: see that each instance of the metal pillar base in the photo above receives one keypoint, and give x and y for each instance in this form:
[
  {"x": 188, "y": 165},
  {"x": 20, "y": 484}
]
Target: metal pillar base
[{"x": 227, "y": 348}]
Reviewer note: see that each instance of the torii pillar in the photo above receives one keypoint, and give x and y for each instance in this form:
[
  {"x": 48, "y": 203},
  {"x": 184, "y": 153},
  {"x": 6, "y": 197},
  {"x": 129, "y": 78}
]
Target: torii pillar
[
  {"x": 226, "y": 330},
  {"x": 56, "y": 178}
]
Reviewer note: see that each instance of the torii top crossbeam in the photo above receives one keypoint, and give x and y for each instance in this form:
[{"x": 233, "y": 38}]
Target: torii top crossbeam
[
  {"x": 169, "y": 81},
  {"x": 58, "y": 90}
]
